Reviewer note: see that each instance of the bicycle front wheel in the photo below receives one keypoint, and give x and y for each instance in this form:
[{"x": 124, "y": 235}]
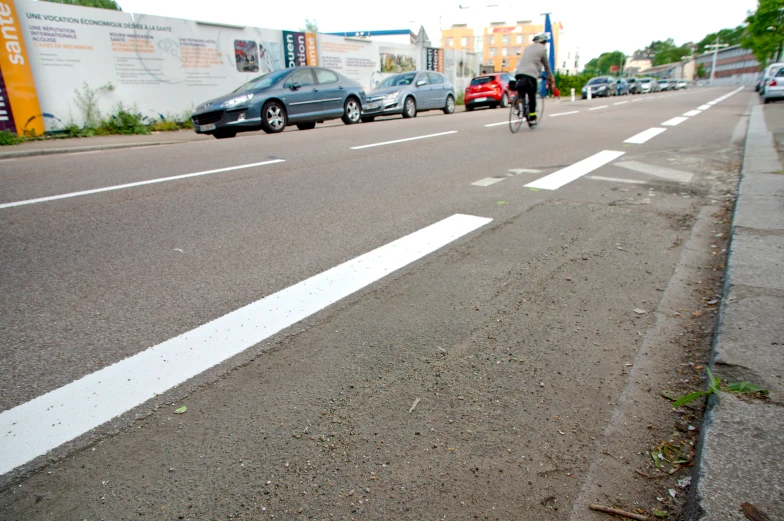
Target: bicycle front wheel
[
  {"x": 515, "y": 115},
  {"x": 539, "y": 108}
]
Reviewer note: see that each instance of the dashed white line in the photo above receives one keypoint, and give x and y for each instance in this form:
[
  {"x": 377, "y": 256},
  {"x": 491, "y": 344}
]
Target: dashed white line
[
  {"x": 570, "y": 173},
  {"x": 496, "y": 124},
  {"x": 46, "y": 422},
  {"x": 616, "y": 180},
  {"x": 637, "y": 100},
  {"x": 602, "y": 107},
  {"x": 487, "y": 181},
  {"x": 692, "y": 113},
  {"x": 140, "y": 183},
  {"x": 704, "y": 107},
  {"x": 621, "y": 103},
  {"x": 642, "y": 137},
  {"x": 404, "y": 140},
  {"x": 564, "y": 113},
  {"x": 674, "y": 121}
]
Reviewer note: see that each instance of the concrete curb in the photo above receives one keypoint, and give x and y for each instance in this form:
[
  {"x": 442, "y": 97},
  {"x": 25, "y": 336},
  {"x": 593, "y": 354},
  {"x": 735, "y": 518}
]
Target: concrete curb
[
  {"x": 741, "y": 448},
  {"x": 71, "y": 150}
]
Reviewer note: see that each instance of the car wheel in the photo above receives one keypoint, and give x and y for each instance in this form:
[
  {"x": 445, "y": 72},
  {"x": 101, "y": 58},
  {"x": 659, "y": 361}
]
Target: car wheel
[
  {"x": 409, "y": 108},
  {"x": 351, "y": 112},
  {"x": 224, "y": 134},
  {"x": 273, "y": 117},
  {"x": 504, "y": 101},
  {"x": 368, "y": 119},
  {"x": 765, "y": 99},
  {"x": 306, "y": 126},
  {"x": 449, "y": 108}
]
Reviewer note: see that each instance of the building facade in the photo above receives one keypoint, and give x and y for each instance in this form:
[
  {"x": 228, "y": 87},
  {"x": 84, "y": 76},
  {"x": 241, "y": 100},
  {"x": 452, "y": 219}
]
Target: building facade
[{"x": 734, "y": 65}]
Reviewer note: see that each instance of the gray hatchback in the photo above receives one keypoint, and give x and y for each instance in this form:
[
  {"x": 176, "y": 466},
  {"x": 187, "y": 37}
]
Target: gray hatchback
[
  {"x": 303, "y": 96},
  {"x": 408, "y": 94}
]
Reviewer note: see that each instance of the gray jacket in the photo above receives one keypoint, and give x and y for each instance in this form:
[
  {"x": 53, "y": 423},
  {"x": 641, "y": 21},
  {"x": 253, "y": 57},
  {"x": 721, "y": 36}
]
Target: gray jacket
[{"x": 533, "y": 60}]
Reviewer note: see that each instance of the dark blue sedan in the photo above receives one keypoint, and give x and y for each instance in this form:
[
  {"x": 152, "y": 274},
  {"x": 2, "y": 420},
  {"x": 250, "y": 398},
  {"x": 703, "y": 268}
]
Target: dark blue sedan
[{"x": 303, "y": 96}]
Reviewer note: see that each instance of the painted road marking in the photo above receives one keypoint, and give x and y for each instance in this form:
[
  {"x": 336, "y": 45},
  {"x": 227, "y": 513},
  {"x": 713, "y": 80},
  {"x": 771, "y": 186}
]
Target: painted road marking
[
  {"x": 674, "y": 121},
  {"x": 637, "y": 100},
  {"x": 404, "y": 140},
  {"x": 496, "y": 124},
  {"x": 713, "y": 102},
  {"x": 658, "y": 171},
  {"x": 642, "y": 137},
  {"x": 704, "y": 107},
  {"x": 602, "y": 107},
  {"x": 487, "y": 181},
  {"x": 570, "y": 173},
  {"x": 621, "y": 103},
  {"x": 44, "y": 423},
  {"x": 140, "y": 183},
  {"x": 564, "y": 113},
  {"x": 525, "y": 171},
  {"x": 616, "y": 180},
  {"x": 692, "y": 113}
]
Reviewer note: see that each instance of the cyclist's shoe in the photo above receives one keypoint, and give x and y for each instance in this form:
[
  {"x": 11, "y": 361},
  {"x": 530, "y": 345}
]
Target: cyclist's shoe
[{"x": 532, "y": 121}]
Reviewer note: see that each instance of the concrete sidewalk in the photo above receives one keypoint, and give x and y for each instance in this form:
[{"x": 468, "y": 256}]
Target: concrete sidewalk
[{"x": 741, "y": 458}]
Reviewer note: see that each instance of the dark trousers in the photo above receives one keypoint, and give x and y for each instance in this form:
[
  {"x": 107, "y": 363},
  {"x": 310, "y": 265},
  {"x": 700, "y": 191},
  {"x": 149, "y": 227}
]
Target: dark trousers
[{"x": 526, "y": 86}]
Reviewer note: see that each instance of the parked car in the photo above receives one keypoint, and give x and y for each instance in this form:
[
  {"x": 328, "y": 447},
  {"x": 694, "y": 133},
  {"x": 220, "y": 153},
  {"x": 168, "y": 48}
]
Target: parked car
[
  {"x": 303, "y": 96},
  {"x": 665, "y": 84},
  {"x": 758, "y": 85},
  {"x": 681, "y": 84},
  {"x": 600, "y": 86},
  {"x": 768, "y": 73},
  {"x": 648, "y": 85},
  {"x": 490, "y": 90},
  {"x": 408, "y": 94},
  {"x": 622, "y": 86},
  {"x": 773, "y": 88},
  {"x": 635, "y": 87}
]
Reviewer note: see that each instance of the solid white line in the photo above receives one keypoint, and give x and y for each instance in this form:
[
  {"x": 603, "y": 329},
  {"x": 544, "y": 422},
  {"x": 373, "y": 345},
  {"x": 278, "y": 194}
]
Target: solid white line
[
  {"x": 704, "y": 107},
  {"x": 404, "y": 140},
  {"x": 602, "y": 107},
  {"x": 621, "y": 103},
  {"x": 44, "y": 423},
  {"x": 564, "y": 113},
  {"x": 570, "y": 173},
  {"x": 140, "y": 183},
  {"x": 487, "y": 181},
  {"x": 674, "y": 121},
  {"x": 616, "y": 180},
  {"x": 692, "y": 113},
  {"x": 496, "y": 124},
  {"x": 642, "y": 137}
]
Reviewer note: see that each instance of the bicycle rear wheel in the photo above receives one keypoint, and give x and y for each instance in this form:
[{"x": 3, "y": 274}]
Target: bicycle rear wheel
[
  {"x": 515, "y": 115},
  {"x": 539, "y": 107}
]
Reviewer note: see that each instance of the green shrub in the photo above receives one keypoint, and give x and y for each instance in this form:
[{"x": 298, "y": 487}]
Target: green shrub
[
  {"x": 164, "y": 126},
  {"x": 460, "y": 99},
  {"x": 126, "y": 121},
  {"x": 10, "y": 138}
]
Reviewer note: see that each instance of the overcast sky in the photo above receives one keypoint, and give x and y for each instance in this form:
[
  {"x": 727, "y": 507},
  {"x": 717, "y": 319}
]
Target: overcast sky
[{"x": 594, "y": 28}]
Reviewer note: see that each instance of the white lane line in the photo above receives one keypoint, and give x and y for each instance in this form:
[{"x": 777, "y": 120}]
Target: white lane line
[
  {"x": 674, "y": 121},
  {"x": 525, "y": 171},
  {"x": 616, "y": 180},
  {"x": 487, "y": 181},
  {"x": 642, "y": 137},
  {"x": 621, "y": 103},
  {"x": 714, "y": 102},
  {"x": 704, "y": 107},
  {"x": 602, "y": 107},
  {"x": 564, "y": 113},
  {"x": 570, "y": 173},
  {"x": 496, "y": 124},
  {"x": 659, "y": 171},
  {"x": 404, "y": 140},
  {"x": 140, "y": 183},
  {"x": 637, "y": 100},
  {"x": 692, "y": 113},
  {"x": 44, "y": 423}
]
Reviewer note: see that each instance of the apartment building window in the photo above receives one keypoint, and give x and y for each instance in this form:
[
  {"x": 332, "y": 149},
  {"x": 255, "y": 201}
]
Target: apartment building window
[
  {"x": 489, "y": 40},
  {"x": 464, "y": 41},
  {"x": 493, "y": 51},
  {"x": 505, "y": 51},
  {"x": 504, "y": 64},
  {"x": 506, "y": 38},
  {"x": 519, "y": 38},
  {"x": 450, "y": 42},
  {"x": 518, "y": 51}
]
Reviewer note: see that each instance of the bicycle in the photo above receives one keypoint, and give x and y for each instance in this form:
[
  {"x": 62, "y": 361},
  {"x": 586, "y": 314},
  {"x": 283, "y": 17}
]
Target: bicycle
[{"x": 518, "y": 111}]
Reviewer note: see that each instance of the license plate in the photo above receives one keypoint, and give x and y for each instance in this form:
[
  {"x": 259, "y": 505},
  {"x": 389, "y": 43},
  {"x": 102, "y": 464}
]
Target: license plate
[
  {"x": 479, "y": 100},
  {"x": 206, "y": 128},
  {"x": 372, "y": 106}
]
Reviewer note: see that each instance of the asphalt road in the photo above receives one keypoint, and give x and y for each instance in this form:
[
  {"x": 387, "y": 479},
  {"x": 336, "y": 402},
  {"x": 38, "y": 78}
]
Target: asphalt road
[{"x": 92, "y": 279}]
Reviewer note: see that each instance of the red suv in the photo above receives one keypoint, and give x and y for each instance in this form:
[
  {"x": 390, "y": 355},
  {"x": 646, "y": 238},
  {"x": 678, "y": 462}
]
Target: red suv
[{"x": 490, "y": 90}]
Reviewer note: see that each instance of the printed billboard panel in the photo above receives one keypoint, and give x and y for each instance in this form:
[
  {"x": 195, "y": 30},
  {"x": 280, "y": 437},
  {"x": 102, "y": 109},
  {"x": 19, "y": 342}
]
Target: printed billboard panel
[
  {"x": 299, "y": 49},
  {"x": 435, "y": 59},
  {"x": 357, "y": 60}
]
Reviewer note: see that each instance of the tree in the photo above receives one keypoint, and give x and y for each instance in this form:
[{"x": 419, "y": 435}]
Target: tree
[
  {"x": 702, "y": 72},
  {"x": 666, "y": 51},
  {"x": 728, "y": 36},
  {"x": 311, "y": 26},
  {"x": 101, "y": 4},
  {"x": 765, "y": 31},
  {"x": 604, "y": 63}
]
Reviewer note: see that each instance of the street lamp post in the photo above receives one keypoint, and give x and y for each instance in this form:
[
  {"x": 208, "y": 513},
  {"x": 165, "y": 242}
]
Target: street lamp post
[{"x": 716, "y": 46}]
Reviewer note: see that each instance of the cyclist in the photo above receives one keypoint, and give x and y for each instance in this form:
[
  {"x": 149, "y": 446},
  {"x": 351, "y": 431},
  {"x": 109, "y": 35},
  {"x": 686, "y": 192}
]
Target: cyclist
[{"x": 529, "y": 68}]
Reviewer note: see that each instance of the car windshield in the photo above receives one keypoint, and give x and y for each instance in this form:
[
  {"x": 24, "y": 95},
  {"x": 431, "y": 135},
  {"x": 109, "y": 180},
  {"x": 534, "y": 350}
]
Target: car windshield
[
  {"x": 396, "y": 81},
  {"x": 262, "y": 82},
  {"x": 645, "y": 81},
  {"x": 482, "y": 80},
  {"x": 596, "y": 81}
]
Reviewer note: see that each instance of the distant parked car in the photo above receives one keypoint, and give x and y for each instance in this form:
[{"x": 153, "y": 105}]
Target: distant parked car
[
  {"x": 681, "y": 84},
  {"x": 490, "y": 90},
  {"x": 773, "y": 88},
  {"x": 600, "y": 86},
  {"x": 665, "y": 84},
  {"x": 303, "y": 96},
  {"x": 408, "y": 94},
  {"x": 768, "y": 73},
  {"x": 648, "y": 85},
  {"x": 635, "y": 87},
  {"x": 623, "y": 87},
  {"x": 758, "y": 85}
]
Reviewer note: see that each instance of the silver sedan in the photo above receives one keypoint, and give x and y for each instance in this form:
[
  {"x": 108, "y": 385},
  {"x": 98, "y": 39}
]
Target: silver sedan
[{"x": 408, "y": 94}]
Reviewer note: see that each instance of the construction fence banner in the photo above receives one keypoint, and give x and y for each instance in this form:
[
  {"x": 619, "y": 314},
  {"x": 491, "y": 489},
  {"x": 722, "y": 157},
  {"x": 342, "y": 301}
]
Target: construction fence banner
[{"x": 434, "y": 59}]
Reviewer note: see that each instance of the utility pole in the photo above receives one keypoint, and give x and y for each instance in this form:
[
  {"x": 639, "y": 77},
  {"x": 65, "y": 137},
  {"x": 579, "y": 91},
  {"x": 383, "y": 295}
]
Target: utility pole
[{"x": 716, "y": 46}]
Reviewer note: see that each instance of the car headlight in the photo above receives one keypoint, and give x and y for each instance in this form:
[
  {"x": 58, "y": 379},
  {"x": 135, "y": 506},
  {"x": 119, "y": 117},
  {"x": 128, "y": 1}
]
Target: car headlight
[
  {"x": 391, "y": 97},
  {"x": 236, "y": 101},
  {"x": 602, "y": 87}
]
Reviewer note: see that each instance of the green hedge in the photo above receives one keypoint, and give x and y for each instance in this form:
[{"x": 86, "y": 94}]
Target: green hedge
[{"x": 566, "y": 83}]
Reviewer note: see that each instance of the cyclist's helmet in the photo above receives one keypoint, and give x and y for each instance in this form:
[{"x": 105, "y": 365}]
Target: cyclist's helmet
[{"x": 542, "y": 37}]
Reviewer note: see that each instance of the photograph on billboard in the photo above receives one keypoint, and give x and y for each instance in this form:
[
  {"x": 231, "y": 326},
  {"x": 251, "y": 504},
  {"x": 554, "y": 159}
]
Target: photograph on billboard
[{"x": 246, "y": 54}]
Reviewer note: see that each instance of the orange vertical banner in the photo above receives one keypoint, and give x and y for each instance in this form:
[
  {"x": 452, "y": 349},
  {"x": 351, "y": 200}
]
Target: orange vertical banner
[
  {"x": 20, "y": 98},
  {"x": 310, "y": 45}
]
